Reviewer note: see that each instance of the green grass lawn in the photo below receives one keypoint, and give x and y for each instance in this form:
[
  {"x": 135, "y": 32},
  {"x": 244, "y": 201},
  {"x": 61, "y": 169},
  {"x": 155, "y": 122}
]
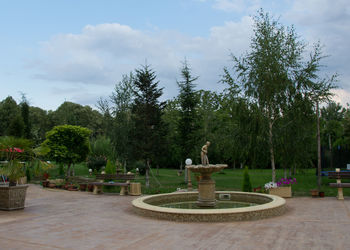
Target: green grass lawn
[{"x": 228, "y": 179}]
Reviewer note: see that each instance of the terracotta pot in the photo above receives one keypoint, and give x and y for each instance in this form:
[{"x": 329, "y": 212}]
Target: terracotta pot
[
  {"x": 82, "y": 187},
  {"x": 90, "y": 187},
  {"x": 46, "y": 183},
  {"x": 68, "y": 186},
  {"x": 314, "y": 193},
  {"x": 321, "y": 194}
]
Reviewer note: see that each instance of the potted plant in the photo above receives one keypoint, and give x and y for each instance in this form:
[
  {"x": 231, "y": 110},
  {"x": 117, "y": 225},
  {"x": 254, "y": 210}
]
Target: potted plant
[
  {"x": 314, "y": 193},
  {"x": 282, "y": 188},
  {"x": 82, "y": 186},
  {"x": 321, "y": 194},
  {"x": 14, "y": 152}
]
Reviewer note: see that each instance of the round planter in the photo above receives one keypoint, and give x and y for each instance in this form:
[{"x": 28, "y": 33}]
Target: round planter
[
  {"x": 321, "y": 194},
  {"x": 12, "y": 197}
]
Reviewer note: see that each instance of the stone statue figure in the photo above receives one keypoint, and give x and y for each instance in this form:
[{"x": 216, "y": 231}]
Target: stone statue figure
[{"x": 204, "y": 152}]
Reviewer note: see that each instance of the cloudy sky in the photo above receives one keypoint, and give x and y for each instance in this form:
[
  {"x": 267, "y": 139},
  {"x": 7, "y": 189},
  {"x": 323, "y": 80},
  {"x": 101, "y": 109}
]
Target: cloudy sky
[{"x": 78, "y": 50}]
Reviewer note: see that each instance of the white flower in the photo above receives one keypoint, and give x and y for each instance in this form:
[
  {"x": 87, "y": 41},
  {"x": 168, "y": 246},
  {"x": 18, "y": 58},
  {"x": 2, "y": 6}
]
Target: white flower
[{"x": 270, "y": 185}]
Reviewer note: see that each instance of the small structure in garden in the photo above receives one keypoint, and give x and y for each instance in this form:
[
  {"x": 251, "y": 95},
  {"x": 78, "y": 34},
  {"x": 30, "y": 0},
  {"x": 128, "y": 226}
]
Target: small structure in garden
[{"x": 208, "y": 204}]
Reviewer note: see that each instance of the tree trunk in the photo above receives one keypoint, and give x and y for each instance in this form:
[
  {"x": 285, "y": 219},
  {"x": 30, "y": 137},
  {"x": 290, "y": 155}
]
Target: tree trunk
[
  {"x": 157, "y": 169},
  {"x": 234, "y": 164},
  {"x": 330, "y": 150},
  {"x": 68, "y": 170},
  {"x": 147, "y": 175},
  {"x": 319, "y": 180},
  {"x": 272, "y": 155}
]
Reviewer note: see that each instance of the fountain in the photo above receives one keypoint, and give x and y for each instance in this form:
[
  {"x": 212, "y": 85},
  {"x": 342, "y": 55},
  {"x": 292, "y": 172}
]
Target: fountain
[
  {"x": 207, "y": 204},
  {"x": 206, "y": 185}
]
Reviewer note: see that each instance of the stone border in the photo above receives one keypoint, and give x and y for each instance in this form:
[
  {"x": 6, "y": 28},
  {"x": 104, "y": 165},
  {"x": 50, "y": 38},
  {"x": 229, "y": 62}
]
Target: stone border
[{"x": 271, "y": 205}]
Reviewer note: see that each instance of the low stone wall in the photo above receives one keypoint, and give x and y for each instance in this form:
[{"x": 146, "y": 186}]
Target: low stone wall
[{"x": 270, "y": 206}]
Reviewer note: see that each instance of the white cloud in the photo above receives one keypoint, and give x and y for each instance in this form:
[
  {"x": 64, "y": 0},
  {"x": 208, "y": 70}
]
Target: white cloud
[
  {"x": 327, "y": 21},
  {"x": 236, "y": 5},
  {"x": 101, "y": 54},
  {"x": 341, "y": 96}
]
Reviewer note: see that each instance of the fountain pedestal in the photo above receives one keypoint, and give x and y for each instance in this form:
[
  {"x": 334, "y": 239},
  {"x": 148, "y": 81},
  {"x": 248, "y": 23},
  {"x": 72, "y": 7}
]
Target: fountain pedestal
[{"x": 206, "y": 186}]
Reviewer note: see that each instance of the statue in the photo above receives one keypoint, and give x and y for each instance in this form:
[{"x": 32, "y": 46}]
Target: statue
[{"x": 204, "y": 152}]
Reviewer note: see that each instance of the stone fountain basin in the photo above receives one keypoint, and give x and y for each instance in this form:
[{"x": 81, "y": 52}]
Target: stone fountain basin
[
  {"x": 206, "y": 169},
  {"x": 269, "y": 206}
]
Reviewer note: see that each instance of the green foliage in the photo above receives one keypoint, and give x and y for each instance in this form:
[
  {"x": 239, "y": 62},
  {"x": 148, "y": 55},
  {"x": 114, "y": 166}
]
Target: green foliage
[
  {"x": 15, "y": 150},
  {"x": 61, "y": 170},
  {"x": 247, "y": 185},
  {"x": 67, "y": 144},
  {"x": 141, "y": 166},
  {"x": 8, "y": 111},
  {"x": 28, "y": 174},
  {"x": 96, "y": 162},
  {"x": 281, "y": 84},
  {"x": 149, "y": 130},
  {"x": 16, "y": 126},
  {"x": 188, "y": 125},
  {"x": 110, "y": 167},
  {"x": 102, "y": 147},
  {"x": 117, "y": 118},
  {"x": 25, "y": 116},
  {"x": 40, "y": 124},
  {"x": 78, "y": 115}
]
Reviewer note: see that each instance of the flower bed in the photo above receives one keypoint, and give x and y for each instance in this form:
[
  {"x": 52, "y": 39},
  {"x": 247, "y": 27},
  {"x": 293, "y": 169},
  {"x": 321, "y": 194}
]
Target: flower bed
[{"x": 282, "y": 188}]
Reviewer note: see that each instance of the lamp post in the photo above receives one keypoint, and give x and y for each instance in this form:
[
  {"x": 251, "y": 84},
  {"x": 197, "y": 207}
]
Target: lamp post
[{"x": 188, "y": 162}]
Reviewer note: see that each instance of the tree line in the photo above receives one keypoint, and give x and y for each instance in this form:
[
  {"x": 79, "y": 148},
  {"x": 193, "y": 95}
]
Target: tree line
[{"x": 275, "y": 112}]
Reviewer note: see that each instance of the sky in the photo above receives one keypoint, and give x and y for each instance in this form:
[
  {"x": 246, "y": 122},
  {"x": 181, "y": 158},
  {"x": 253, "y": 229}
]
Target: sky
[{"x": 63, "y": 50}]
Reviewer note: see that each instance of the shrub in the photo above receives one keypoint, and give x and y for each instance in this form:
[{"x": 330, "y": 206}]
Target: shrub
[
  {"x": 140, "y": 165},
  {"x": 110, "y": 168},
  {"x": 247, "y": 185},
  {"x": 96, "y": 163}
]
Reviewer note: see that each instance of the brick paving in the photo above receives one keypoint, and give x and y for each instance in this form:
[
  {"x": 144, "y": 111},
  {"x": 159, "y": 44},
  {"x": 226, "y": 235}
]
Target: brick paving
[{"x": 55, "y": 219}]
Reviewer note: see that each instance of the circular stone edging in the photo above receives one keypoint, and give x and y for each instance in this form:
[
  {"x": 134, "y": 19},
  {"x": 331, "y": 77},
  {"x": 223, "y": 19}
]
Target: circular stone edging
[{"x": 275, "y": 207}]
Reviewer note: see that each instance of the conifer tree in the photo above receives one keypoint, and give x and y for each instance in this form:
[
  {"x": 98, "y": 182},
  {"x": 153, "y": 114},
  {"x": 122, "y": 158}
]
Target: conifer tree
[
  {"x": 188, "y": 123},
  {"x": 149, "y": 130}
]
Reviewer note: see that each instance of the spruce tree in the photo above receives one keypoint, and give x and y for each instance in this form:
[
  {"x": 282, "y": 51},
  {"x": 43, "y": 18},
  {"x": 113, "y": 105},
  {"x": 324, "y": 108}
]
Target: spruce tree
[
  {"x": 149, "y": 130},
  {"x": 188, "y": 123},
  {"x": 25, "y": 117}
]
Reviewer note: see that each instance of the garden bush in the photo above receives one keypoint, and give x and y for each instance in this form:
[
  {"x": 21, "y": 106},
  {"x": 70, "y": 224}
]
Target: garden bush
[
  {"x": 247, "y": 185},
  {"x": 96, "y": 163}
]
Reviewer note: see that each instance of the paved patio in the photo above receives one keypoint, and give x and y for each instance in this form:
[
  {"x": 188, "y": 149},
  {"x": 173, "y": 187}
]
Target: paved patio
[{"x": 55, "y": 219}]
